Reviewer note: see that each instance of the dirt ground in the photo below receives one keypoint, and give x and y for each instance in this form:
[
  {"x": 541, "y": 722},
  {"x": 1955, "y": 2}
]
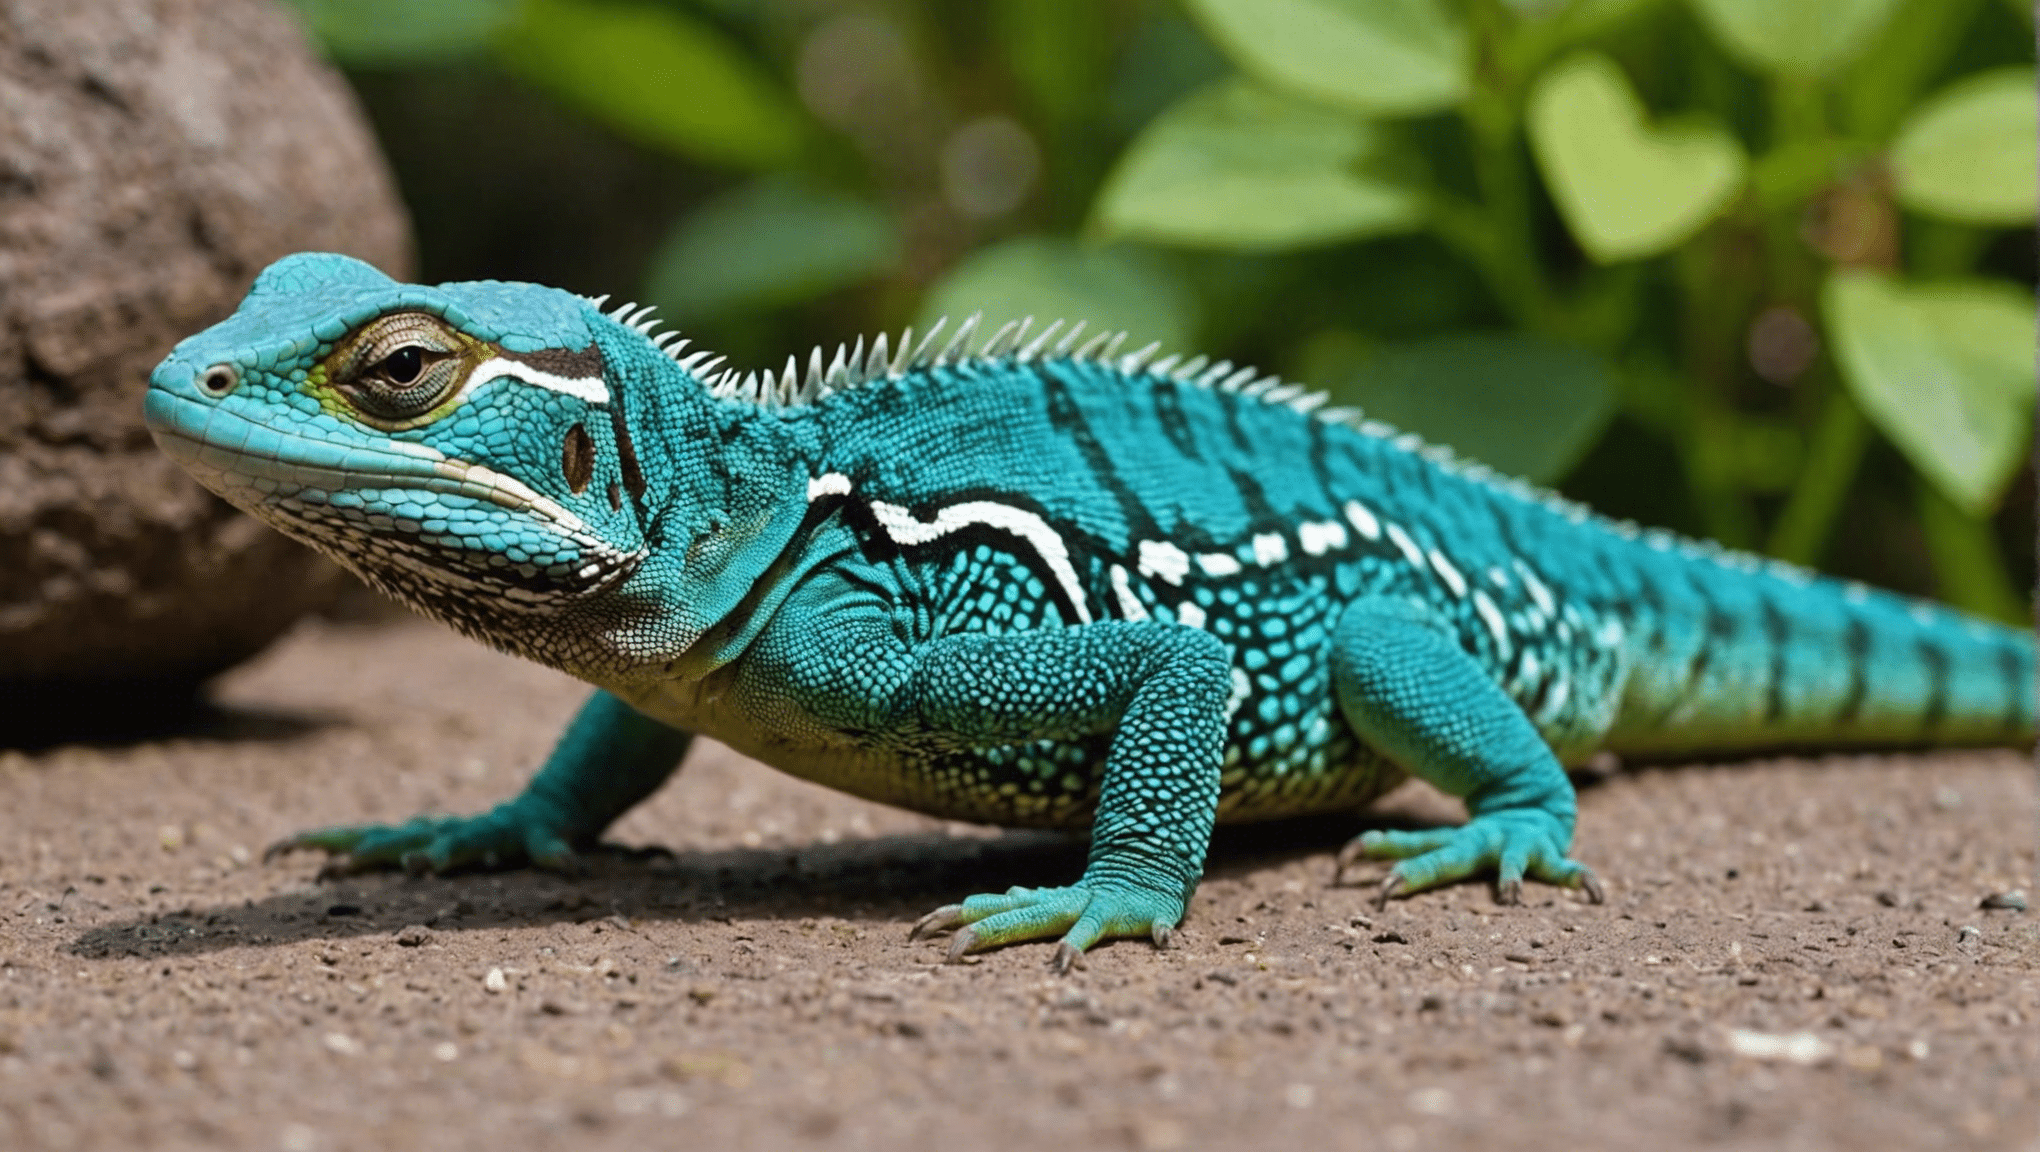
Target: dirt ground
[{"x": 1793, "y": 955}]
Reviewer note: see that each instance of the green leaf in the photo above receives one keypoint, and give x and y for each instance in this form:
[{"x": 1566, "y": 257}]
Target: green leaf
[
  {"x": 1234, "y": 166},
  {"x": 1797, "y": 37},
  {"x": 1110, "y": 289},
  {"x": 768, "y": 245},
  {"x": 391, "y": 33},
  {"x": 1625, "y": 188},
  {"x": 1945, "y": 371},
  {"x": 1524, "y": 406},
  {"x": 1397, "y": 57},
  {"x": 657, "y": 75},
  {"x": 1968, "y": 153},
  {"x": 1887, "y": 78}
]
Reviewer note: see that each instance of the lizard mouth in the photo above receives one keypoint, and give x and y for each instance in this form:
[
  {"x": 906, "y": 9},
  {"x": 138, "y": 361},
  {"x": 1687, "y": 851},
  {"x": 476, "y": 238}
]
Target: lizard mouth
[
  {"x": 250, "y": 463},
  {"x": 338, "y": 499}
]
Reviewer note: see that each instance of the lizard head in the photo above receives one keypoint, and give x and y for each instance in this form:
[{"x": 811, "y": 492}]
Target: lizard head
[{"x": 464, "y": 448}]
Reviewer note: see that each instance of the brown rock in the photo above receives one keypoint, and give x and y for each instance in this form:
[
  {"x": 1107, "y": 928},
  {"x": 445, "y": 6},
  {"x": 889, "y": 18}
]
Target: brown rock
[{"x": 154, "y": 156}]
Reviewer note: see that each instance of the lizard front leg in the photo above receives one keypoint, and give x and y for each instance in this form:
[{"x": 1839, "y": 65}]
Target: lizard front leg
[
  {"x": 1159, "y": 689},
  {"x": 610, "y": 757},
  {"x": 1409, "y": 690}
]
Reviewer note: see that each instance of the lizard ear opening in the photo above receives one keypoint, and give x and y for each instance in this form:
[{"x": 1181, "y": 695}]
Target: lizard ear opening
[{"x": 577, "y": 459}]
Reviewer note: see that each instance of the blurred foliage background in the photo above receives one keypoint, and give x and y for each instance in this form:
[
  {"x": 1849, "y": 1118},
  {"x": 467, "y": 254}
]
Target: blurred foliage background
[{"x": 1760, "y": 270}]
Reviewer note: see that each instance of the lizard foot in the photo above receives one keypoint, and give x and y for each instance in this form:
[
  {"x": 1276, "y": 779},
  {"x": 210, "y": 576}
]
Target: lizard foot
[
  {"x": 507, "y": 836},
  {"x": 1083, "y": 913},
  {"x": 1513, "y": 843}
]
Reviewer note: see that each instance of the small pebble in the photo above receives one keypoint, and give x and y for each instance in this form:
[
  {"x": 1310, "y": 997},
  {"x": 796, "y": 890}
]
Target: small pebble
[
  {"x": 1791, "y": 1047},
  {"x": 495, "y": 981}
]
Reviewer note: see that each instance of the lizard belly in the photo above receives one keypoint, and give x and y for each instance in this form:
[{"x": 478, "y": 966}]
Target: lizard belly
[{"x": 1273, "y": 766}]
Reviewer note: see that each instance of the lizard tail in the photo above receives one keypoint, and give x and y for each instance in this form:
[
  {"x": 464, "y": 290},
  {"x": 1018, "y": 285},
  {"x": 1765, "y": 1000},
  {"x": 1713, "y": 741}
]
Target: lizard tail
[{"x": 1768, "y": 659}]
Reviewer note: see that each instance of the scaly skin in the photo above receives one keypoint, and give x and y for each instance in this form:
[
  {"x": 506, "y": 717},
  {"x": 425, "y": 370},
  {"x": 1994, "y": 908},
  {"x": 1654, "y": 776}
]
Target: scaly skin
[{"x": 1040, "y": 585}]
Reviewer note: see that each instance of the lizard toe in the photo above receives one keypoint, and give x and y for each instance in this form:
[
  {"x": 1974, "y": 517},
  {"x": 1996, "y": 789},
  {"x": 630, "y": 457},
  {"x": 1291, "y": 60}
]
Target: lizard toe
[{"x": 1081, "y": 915}]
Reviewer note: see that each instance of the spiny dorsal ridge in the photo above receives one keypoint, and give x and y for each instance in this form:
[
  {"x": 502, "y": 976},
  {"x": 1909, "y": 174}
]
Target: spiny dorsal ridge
[
  {"x": 875, "y": 363},
  {"x": 922, "y": 358},
  {"x": 1009, "y": 334},
  {"x": 959, "y": 343},
  {"x": 1034, "y": 346},
  {"x": 1132, "y": 363},
  {"x": 1069, "y": 340}
]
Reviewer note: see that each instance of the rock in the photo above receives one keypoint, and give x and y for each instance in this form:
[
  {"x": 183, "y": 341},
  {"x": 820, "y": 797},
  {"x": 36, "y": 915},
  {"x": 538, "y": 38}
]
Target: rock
[{"x": 154, "y": 156}]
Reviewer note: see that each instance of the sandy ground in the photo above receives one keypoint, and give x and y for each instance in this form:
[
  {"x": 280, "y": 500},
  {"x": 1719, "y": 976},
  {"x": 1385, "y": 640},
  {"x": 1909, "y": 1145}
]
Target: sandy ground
[{"x": 1792, "y": 956}]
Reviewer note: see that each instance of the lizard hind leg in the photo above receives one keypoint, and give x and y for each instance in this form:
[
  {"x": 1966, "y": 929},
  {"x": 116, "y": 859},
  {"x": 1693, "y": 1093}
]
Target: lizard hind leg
[{"x": 1409, "y": 690}]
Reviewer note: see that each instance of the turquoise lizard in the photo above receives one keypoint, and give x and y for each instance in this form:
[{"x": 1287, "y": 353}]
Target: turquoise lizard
[{"x": 1034, "y": 583}]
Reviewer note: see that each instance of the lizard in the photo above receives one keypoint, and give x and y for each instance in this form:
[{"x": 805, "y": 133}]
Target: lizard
[{"x": 1029, "y": 582}]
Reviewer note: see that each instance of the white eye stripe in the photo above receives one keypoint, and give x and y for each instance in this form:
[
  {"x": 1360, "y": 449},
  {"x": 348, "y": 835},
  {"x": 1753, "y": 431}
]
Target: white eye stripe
[{"x": 589, "y": 388}]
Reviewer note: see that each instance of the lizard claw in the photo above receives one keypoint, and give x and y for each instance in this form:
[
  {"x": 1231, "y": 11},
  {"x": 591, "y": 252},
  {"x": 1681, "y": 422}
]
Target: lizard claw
[
  {"x": 1354, "y": 852},
  {"x": 1066, "y": 958},
  {"x": 959, "y": 945},
  {"x": 1390, "y": 886},
  {"x": 937, "y": 922},
  {"x": 1081, "y": 914}
]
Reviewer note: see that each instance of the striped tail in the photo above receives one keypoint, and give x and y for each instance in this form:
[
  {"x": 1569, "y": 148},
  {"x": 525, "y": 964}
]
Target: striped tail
[{"x": 1772, "y": 658}]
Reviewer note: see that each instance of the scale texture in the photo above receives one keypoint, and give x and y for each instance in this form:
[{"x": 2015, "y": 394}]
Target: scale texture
[{"x": 1035, "y": 582}]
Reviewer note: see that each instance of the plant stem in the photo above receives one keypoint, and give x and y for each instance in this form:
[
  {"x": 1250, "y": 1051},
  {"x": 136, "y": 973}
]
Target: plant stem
[
  {"x": 1832, "y": 459},
  {"x": 1966, "y": 562}
]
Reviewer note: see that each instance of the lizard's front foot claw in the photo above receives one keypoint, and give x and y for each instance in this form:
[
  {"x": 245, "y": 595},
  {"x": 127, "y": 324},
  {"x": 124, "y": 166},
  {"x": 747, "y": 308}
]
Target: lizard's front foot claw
[
  {"x": 510, "y": 835},
  {"x": 1082, "y": 914}
]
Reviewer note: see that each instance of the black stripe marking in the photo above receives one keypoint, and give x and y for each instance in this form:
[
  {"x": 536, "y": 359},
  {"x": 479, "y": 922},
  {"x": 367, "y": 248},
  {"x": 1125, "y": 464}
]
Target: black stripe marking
[
  {"x": 1167, "y": 396},
  {"x": 1936, "y": 661},
  {"x": 1320, "y": 456},
  {"x": 1856, "y": 648},
  {"x": 2018, "y": 687},
  {"x": 1067, "y": 418},
  {"x": 1232, "y": 405},
  {"x": 1260, "y": 513},
  {"x": 1777, "y": 635}
]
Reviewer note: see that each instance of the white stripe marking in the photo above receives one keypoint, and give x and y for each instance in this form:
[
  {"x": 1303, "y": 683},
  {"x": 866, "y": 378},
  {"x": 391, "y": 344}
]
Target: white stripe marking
[
  {"x": 1162, "y": 560},
  {"x": 1447, "y": 573},
  {"x": 1270, "y": 549},
  {"x": 589, "y": 388},
  {"x": 1130, "y": 606},
  {"x": 1538, "y": 592},
  {"x": 899, "y": 523},
  {"x": 1218, "y": 564},
  {"x": 1241, "y": 688},
  {"x": 1405, "y": 545},
  {"x": 1363, "y": 521},
  {"x": 1320, "y": 537},
  {"x": 1189, "y": 613},
  {"x": 828, "y": 484},
  {"x": 1492, "y": 616},
  {"x": 1560, "y": 690}
]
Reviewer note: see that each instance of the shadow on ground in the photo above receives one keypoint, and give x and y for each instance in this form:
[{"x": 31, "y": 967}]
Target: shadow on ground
[
  {"x": 886, "y": 878},
  {"x": 118, "y": 715}
]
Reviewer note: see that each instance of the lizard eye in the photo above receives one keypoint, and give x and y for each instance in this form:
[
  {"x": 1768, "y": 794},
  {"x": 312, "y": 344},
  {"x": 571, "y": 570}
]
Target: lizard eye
[
  {"x": 402, "y": 366},
  {"x": 409, "y": 381}
]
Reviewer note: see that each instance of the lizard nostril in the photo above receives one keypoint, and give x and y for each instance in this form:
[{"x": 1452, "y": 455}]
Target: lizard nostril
[{"x": 218, "y": 380}]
